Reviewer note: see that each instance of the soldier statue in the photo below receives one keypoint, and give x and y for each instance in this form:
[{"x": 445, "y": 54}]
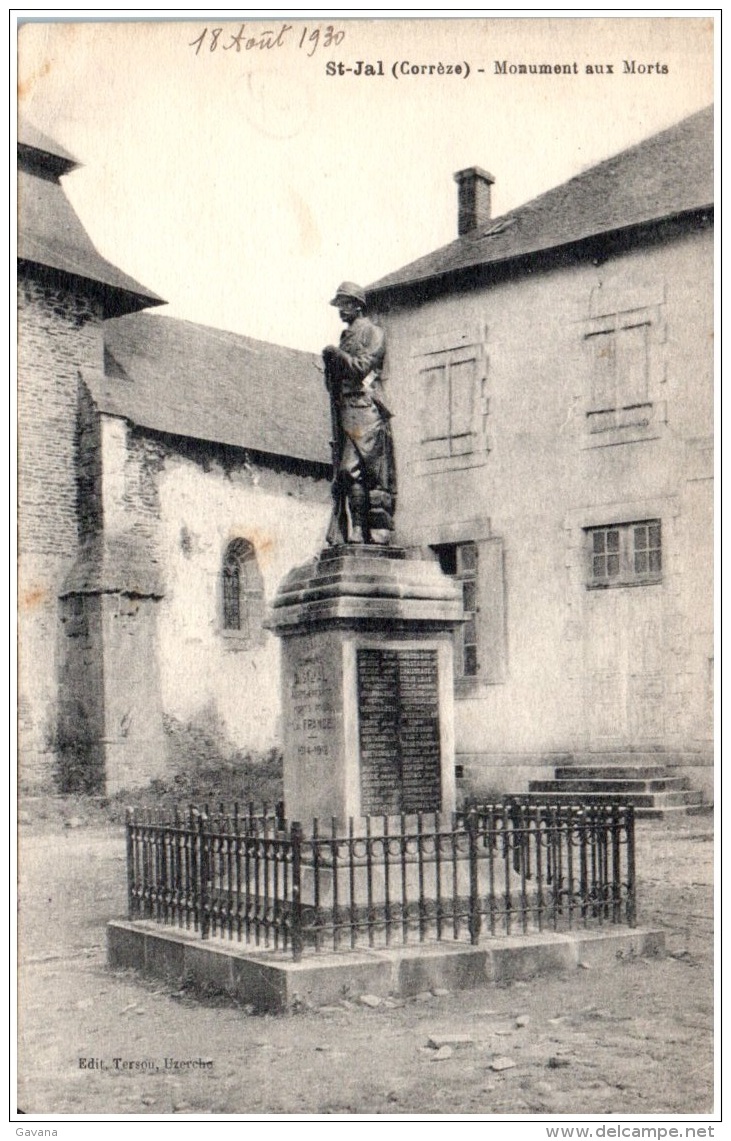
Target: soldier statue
[{"x": 364, "y": 471}]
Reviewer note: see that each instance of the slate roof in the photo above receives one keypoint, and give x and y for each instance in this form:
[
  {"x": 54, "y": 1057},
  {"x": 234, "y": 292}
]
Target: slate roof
[
  {"x": 36, "y": 146},
  {"x": 668, "y": 174},
  {"x": 194, "y": 381},
  {"x": 50, "y": 233}
]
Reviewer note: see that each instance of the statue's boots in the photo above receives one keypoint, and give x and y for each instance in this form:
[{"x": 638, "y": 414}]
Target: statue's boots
[
  {"x": 358, "y": 505},
  {"x": 380, "y": 517}
]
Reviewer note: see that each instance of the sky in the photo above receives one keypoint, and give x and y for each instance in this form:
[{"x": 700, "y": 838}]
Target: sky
[{"x": 234, "y": 176}]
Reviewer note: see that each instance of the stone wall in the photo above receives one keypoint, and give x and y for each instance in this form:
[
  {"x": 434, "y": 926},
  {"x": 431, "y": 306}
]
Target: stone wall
[
  {"x": 59, "y": 333},
  {"x": 155, "y": 530},
  {"x": 208, "y": 498},
  {"x": 122, "y": 537}
]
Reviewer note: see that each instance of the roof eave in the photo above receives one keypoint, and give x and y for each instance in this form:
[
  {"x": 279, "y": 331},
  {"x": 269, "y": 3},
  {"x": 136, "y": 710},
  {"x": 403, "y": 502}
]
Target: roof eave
[
  {"x": 252, "y": 450},
  {"x": 595, "y": 236},
  {"x": 116, "y": 301},
  {"x": 46, "y": 163}
]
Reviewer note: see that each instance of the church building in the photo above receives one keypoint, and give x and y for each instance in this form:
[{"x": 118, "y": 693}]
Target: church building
[{"x": 165, "y": 485}]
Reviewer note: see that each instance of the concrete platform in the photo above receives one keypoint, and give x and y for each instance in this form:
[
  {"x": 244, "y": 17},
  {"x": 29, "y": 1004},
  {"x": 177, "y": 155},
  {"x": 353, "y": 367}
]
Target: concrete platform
[{"x": 271, "y": 982}]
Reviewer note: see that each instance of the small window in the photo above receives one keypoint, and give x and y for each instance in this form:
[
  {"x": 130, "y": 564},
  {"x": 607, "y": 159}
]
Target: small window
[
  {"x": 242, "y": 594},
  {"x": 459, "y": 560},
  {"x": 625, "y": 554}
]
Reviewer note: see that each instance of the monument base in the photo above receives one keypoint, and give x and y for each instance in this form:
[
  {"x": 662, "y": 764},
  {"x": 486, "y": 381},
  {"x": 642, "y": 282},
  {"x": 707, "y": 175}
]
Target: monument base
[
  {"x": 367, "y": 685},
  {"x": 271, "y": 982}
]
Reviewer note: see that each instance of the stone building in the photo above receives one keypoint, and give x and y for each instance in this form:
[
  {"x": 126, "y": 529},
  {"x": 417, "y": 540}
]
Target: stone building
[
  {"x": 164, "y": 488},
  {"x": 551, "y": 373}
]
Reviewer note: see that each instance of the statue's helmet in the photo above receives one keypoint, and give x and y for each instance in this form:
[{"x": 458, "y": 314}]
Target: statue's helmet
[{"x": 349, "y": 291}]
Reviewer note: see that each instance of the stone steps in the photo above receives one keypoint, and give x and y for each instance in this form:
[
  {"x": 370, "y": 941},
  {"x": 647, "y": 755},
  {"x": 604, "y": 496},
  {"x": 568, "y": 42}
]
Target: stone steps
[
  {"x": 639, "y": 800},
  {"x": 626, "y": 759},
  {"x": 670, "y": 810},
  {"x": 604, "y": 784},
  {"x": 613, "y": 772},
  {"x": 654, "y": 790}
]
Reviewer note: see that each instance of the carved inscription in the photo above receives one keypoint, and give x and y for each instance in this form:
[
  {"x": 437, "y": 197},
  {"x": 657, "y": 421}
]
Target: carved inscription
[
  {"x": 380, "y": 760},
  {"x": 398, "y": 705},
  {"x": 311, "y": 698},
  {"x": 420, "y": 746}
]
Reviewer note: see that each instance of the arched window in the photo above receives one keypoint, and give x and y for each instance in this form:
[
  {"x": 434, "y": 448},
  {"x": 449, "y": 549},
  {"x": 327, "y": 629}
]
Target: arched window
[{"x": 242, "y": 594}]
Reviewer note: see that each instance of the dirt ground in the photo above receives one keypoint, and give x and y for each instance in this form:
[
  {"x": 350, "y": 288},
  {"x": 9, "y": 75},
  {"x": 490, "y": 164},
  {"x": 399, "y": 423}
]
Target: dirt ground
[{"x": 636, "y": 1039}]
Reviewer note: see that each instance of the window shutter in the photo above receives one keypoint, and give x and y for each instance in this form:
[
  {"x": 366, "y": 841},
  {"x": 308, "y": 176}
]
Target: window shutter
[
  {"x": 632, "y": 365},
  {"x": 493, "y": 621},
  {"x": 449, "y": 373},
  {"x": 624, "y": 361},
  {"x": 604, "y": 395},
  {"x": 435, "y": 411},
  {"x": 462, "y": 383}
]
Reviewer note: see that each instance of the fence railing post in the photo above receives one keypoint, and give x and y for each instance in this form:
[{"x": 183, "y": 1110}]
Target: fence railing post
[
  {"x": 631, "y": 881},
  {"x": 297, "y": 936},
  {"x": 475, "y": 919},
  {"x": 204, "y": 867},
  {"x": 130, "y": 864}
]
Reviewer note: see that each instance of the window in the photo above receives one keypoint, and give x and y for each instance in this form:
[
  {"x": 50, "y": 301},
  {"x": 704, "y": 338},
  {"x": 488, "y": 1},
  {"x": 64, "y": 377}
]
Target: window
[
  {"x": 625, "y": 554},
  {"x": 625, "y": 337},
  {"x": 620, "y": 373},
  {"x": 448, "y": 401},
  {"x": 242, "y": 592},
  {"x": 452, "y": 399},
  {"x": 459, "y": 560}
]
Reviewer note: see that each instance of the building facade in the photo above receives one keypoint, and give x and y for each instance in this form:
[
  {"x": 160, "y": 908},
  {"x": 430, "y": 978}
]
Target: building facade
[
  {"x": 560, "y": 461},
  {"x": 165, "y": 487},
  {"x": 551, "y": 375}
]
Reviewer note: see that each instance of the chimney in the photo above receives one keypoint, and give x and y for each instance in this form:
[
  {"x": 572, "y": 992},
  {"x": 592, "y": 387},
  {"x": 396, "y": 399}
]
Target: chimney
[{"x": 473, "y": 198}]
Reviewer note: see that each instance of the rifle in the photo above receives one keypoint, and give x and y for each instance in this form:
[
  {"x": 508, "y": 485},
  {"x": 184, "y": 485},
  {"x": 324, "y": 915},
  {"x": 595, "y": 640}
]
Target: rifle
[{"x": 337, "y": 532}]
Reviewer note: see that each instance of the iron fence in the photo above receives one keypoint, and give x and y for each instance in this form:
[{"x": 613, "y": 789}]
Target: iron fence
[{"x": 500, "y": 869}]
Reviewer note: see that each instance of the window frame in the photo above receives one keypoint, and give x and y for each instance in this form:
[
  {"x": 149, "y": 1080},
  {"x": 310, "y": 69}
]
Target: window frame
[
  {"x": 615, "y": 545},
  {"x": 240, "y": 554},
  {"x": 465, "y": 564},
  {"x": 454, "y": 442},
  {"x": 448, "y": 446},
  {"x": 620, "y": 409},
  {"x": 630, "y": 403}
]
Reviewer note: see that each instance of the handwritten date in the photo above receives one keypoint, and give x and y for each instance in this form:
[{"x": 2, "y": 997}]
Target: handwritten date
[{"x": 257, "y": 39}]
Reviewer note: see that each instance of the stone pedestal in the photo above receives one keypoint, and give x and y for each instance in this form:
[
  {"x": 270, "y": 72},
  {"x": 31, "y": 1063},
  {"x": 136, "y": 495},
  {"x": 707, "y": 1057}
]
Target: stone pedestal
[{"x": 367, "y": 685}]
